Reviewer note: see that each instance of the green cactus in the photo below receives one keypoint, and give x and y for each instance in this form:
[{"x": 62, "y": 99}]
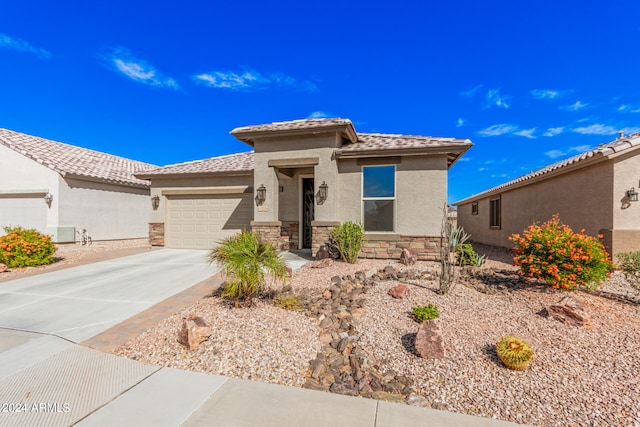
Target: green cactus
[{"x": 514, "y": 353}]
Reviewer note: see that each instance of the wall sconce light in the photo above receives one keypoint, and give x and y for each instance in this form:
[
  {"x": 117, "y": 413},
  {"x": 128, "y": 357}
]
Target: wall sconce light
[
  {"x": 632, "y": 195},
  {"x": 261, "y": 195},
  {"x": 155, "y": 202},
  {"x": 322, "y": 191},
  {"x": 48, "y": 198}
]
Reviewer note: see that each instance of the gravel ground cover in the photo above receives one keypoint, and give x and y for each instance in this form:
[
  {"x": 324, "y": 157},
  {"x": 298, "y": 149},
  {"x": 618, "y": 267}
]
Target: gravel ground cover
[{"x": 580, "y": 376}]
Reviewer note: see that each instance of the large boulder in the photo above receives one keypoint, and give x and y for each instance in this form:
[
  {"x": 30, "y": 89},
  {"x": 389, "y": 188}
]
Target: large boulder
[
  {"x": 429, "y": 340},
  {"x": 193, "y": 331},
  {"x": 399, "y": 291},
  {"x": 571, "y": 310},
  {"x": 322, "y": 263},
  {"x": 407, "y": 258}
]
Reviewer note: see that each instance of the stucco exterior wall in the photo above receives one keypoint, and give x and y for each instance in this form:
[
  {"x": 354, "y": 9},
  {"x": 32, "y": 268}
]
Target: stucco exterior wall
[
  {"x": 583, "y": 198},
  {"x": 30, "y": 179},
  {"x": 107, "y": 212},
  {"x": 421, "y": 192},
  {"x": 626, "y": 169}
]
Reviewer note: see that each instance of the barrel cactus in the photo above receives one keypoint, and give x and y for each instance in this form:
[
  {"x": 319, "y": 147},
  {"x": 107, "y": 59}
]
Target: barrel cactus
[{"x": 514, "y": 352}]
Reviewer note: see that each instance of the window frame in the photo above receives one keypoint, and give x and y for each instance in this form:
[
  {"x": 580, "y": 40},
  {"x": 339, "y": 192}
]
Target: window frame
[
  {"x": 495, "y": 214},
  {"x": 363, "y": 199},
  {"x": 474, "y": 208}
]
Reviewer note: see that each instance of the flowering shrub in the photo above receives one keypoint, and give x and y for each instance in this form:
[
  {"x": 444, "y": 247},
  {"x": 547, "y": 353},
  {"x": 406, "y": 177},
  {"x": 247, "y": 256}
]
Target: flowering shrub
[
  {"x": 22, "y": 247},
  {"x": 563, "y": 259}
]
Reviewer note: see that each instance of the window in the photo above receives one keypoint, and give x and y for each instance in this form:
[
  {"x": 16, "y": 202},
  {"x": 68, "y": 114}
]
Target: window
[
  {"x": 378, "y": 197},
  {"x": 474, "y": 208},
  {"x": 495, "y": 219}
]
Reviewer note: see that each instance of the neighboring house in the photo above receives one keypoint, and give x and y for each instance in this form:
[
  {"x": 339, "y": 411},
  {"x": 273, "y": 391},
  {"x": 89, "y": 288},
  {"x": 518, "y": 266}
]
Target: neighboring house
[
  {"x": 59, "y": 189},
  {"x": 590, "y": 191},
  {"x": 303, "y": 178}
]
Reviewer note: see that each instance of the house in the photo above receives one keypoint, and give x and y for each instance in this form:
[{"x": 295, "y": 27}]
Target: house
[
  {"x": 60, "y": 189},
  {"x": 595, "y": 191},
  {"x": 303, "y": 178}
]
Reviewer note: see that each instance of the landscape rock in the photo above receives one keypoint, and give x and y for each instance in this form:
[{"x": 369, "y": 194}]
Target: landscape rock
[
  {"x": 399, "y": 291},
  {"x": 3, "y": 268},
  {"x": 407, "y": 258},
  {"x": 323, "y": 252},
  {"x": 570, "y": 310},
  {"x": 322, "y": 263},
  {"x": 193, "y": 331},
  {"x": 429, "y": 340}
]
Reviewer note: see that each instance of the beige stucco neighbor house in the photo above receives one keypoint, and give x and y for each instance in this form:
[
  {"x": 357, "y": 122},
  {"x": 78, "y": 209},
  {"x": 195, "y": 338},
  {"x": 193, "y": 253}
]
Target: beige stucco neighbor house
[
  {"x": 304, "y": 177},
  {"x": 59, "y": 189},
  {"x": 590, "y": 191}
]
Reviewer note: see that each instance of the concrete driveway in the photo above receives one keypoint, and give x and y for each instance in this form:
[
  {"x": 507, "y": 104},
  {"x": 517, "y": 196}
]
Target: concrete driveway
[{"x": 78, "y": 303}]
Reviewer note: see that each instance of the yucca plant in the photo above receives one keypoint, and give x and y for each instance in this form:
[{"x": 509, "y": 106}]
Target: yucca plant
[{"x": 247, "y": 262}]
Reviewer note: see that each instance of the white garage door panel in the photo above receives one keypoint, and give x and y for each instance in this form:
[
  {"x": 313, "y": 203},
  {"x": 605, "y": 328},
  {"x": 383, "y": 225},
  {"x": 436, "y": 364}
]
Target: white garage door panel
[
  {"x": 199, "y": 222},
  {"x": 28, "y": 212}
]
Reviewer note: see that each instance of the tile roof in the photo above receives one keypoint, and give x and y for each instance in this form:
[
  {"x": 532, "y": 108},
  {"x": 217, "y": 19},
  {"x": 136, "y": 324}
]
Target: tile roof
[
  {"x": 69, "y": 160},
  {"x": 293, "y": 125},
  {"x": 603, "y": 150},
  {"x": 380, "y": 141},
  {"x": 230, "y": 163}
]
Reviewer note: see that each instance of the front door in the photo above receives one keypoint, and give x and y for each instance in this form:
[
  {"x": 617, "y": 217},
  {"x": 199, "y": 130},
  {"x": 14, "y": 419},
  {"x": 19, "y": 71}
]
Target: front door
[{"x": 308, "y": 198}]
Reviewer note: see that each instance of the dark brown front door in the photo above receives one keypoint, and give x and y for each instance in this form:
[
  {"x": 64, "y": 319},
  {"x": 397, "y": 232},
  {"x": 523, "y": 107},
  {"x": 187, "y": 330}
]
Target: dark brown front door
[{"x": 308, "y": 198}]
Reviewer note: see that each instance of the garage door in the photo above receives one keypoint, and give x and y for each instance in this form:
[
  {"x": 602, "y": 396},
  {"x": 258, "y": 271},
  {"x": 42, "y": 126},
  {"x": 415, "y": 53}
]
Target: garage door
[
  {"x": 28, "y": 212},
  {"x": 199, "y": 222}
]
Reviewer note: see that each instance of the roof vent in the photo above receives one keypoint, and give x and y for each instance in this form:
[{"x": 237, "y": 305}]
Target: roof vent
[{"x": 620, "y": 134}]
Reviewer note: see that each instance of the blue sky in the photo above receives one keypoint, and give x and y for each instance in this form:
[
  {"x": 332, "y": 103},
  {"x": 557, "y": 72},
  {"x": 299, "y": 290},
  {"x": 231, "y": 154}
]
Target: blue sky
[{"x": 529, "y": 83}]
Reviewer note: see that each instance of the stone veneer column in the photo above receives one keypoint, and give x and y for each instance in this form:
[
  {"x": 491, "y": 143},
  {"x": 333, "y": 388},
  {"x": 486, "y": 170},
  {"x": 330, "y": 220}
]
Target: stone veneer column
[
  {"x": 156, "y": 233},
  {"x": 271, "y": 232},
  {"x": 320, "y": 233}
]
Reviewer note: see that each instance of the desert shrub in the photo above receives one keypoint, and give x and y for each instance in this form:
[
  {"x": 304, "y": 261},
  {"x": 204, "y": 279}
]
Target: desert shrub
[
  {"x": 465, "y": 255},
  {"x": 246, "y": 262},
  {"x": 348, "y": 239},
  {"x": 514, "y": 353},
  {"x": 421, "y": 313},
  {"x": 629, "y": 262},
  {"x": 287, "y": 302},
  {"x": 561, "y": 258},
  {"x": 24, "y": 247}
]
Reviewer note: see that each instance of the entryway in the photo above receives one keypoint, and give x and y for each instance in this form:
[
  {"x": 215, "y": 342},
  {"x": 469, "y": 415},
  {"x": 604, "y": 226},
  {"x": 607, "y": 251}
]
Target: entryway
[{"x": 308, "y": 202}]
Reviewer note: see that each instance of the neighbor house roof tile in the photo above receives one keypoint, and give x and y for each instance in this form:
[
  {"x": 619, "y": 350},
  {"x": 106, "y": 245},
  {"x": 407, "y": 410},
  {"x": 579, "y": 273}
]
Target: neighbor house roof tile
[
  {"x": 603, "y": 150},
  {"x": 242, "y": 162},
  {"x": 69, "y": 160}
]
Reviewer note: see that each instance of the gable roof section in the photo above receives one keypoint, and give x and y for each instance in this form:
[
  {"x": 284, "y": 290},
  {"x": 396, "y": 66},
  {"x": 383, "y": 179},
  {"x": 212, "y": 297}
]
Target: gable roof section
[
  {"x": 377, "y": 144},
  {"x": 76, "y": 162},
  {"x": 602, "y": 152},
  {"x": 238, "y": 163},
  {"x": 248, "y": 134}
]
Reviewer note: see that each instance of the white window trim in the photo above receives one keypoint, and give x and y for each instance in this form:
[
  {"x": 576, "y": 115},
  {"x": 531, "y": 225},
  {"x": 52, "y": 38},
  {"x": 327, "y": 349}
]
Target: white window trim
[{"x": 363, "y": 199}]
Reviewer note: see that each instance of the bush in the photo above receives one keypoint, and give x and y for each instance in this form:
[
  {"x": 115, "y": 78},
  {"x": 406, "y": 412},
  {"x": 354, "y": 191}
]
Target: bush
[
  {"x": 348, "y": 239},
  {"x": 22, "y": 247},
  {"x": 465, "y": 255},
  {"x": 514, "y": 353},
  {"x": 422, "y": 313},
  {"x": 246, "y": 262},
  {"x": 563, "y": 259},
  {"x": 287, "y": 302},
  {"x": 630, "y": 263}
]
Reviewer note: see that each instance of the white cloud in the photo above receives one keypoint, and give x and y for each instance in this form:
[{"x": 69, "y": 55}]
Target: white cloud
[
  {"x": 249, "y": 79},
  {"x": 596, "y": 129},
  {"x": 123, "y": 61},
  {"x": 494, "y": 99},
  {"x": 554, "y": 154},
  {"x": 554, "y": 131},
  {"x": 546, "y": 94},
  {"x": 497, "y": 130},
  {"x": 319, "y": 115},
  {"x": 464, "y": 159},
  {"x": 576, "y": 106},
  {"x": 630, "y": 130},
  {"x": 629, "y": 108},
  {"x": 527, "y": 133},
  {"x": 471, "y": 92},
  {"x": 23, "y": 46},
  {"x": 460, "y": 122}
]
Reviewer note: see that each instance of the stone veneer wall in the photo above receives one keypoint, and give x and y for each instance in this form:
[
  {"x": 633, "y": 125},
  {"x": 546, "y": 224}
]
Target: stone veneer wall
[
  {"x": 272, "y": 233},
  {"x": 320, "y": 236},
  {"x": 289, "y": 230},
  {"x": 424, "y": 247},
  {"x": 156, "y": 233}
]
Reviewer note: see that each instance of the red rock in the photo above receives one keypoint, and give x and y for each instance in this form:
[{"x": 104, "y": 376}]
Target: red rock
[
  {"x": 429, "y": 340},
  {"x": 399, "y": 291},
  {"x": 322, "y": 263},
  {"x": 571, "y": 310},
  {"x": 3, "y": 268},
  {"x": 289, "y": 272},
  {"x": 407, "y": 258},
  {"x": 193, "y": 331}
]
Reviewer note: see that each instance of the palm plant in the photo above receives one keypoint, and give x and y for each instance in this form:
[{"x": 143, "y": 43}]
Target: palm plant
[{"x": 246, "y": 262}]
